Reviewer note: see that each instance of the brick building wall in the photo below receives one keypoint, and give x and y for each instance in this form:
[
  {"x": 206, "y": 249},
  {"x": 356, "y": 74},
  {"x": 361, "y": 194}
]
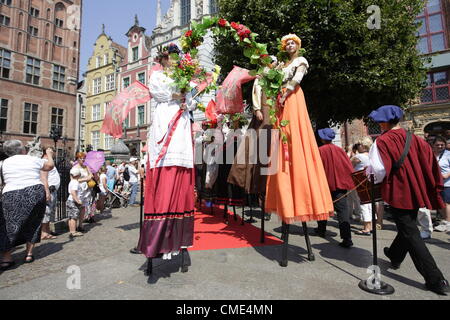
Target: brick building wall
[{"x": 39, "y": 45}]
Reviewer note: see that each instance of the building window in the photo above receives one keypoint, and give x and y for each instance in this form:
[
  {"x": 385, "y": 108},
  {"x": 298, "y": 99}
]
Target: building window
[
  {"x": 141, "y": 77},
  {"x": 126, "y": 123},
  {"x": 126, "y": 82},
  {"x": 438, "y": 88},
  {"x": 33, "y": 72},
  {"x": 185, "y": 12},
  {"x": 4, "y": 20},
  {"x": 213, "y": 7},
  {"x": 3, "y": 114},
  {"x": 30, "y": 118},
  {"x": 59, "y": 23},
  {"x": 135, "y": 53},
  {"x": 59, "y": 75},
  {"x": 96, "y": 112},
  {"x": 106, "y": 59},
  {"x": 95, "y": 141},
  {"x": 431, "y": 32},
  {"x": 5, "y": 63},
  {"x": 57, "y": 118},
  {"x": 98, "y": 62},
  {"x": 34, "y": 12},
  {"x": 97, "y": 85},
  {"x": 82, "y": 132},
  {"x": 83, "y": 112},
  {"x": 108, "y": 142},
  {"x": 33, "y": 31},
  {"x": 141, "y": 115},
  {"x": 58, "y": 40},
  {"x": 110, "y": 82},
  {"x": 7, "y": 2}
]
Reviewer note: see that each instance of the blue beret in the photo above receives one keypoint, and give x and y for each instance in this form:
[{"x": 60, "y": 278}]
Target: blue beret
[
  {"x": 386, "y": 114},
  {"x": 327, "y": 134}
]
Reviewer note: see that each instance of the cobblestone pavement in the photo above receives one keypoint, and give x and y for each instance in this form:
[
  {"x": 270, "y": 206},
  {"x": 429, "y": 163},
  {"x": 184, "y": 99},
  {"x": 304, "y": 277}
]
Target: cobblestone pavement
[{"x": 109, "y": 271}]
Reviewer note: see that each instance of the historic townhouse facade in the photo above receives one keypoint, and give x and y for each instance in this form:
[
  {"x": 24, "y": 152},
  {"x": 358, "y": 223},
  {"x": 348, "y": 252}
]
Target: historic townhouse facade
[
  {"x": 39, "y": 63},
  {"x": 171, "y": 27},
  {"x": 101, "y": 81},
  {"x": 136, "y": 67},
  {"x": 430, "y": 113}
]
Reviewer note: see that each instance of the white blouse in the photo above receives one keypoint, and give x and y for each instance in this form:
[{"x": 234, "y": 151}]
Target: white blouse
[
  {"x": 294, "y": 73},
  {"x": 180, "y": 150}
]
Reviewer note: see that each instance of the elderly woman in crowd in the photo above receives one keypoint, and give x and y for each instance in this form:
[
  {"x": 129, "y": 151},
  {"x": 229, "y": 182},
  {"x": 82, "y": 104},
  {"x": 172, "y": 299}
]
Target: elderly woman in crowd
[
  {"x": 23, "y": 200},
  {"x": 85, "y": 192}
]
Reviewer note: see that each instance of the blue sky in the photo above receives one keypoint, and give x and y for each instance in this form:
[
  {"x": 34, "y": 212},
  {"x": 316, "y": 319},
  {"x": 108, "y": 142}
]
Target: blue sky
[{"x": 118, "y": 17}]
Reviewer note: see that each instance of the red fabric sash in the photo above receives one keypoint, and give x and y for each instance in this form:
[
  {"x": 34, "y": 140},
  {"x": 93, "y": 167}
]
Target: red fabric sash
[{"x": 170, "y": 131}]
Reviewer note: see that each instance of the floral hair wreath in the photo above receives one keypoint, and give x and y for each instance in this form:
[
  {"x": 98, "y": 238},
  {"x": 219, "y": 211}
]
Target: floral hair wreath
[
  {"x": 166, "y": 51},
  {"x": 288, "y": 37}
]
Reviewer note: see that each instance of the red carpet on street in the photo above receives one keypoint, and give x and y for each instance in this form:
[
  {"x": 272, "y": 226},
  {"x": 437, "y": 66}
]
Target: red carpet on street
[{"x": 211, "y": 232}]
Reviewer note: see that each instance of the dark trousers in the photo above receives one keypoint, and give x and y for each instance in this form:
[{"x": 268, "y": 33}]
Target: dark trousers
[
  {"x": 408, "y": 240},
  {"x": 343, "y": 215}
]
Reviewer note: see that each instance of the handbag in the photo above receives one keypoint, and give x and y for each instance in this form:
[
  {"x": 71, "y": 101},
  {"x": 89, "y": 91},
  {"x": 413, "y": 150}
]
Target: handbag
[{"x": 92, "y": 183}]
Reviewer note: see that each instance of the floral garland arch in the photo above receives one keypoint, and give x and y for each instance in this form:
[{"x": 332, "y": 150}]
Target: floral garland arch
[{"x": 271, "y": 80}]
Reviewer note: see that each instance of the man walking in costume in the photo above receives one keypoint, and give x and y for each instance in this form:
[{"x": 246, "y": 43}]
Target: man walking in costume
[
  {"x": 338, "y": 169},
  {"x": 411, "y": 180}
]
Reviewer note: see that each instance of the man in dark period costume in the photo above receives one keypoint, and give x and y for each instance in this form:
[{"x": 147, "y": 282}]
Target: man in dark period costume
[
  {"x": 338, "y": 170},
  {"x": 407, "y": 186}
]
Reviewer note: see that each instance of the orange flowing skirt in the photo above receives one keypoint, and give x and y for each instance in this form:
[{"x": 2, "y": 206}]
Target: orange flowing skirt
[{"x": 299, "y": 190}]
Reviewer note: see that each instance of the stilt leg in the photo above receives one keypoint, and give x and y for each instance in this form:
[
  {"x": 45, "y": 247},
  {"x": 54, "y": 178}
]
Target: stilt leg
[
  {"x": 184, "y": 265},
  {"x": 284, "y": 250},
  {"x": 243, "y": 215},
  {"x": 311, "y": 256},
  {"x": 263, "y": 212},
  {"x": 149, "y": 270},
  {"x": 234, "y": 211},
  {"x": 225, "y": 213}
]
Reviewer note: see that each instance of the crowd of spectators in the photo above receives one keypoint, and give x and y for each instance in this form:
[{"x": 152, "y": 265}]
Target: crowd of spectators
[{"x": 29, "y": 196}]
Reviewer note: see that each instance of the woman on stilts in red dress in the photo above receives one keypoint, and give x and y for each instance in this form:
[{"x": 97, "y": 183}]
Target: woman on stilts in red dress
[{"x": 168, "y": 226}]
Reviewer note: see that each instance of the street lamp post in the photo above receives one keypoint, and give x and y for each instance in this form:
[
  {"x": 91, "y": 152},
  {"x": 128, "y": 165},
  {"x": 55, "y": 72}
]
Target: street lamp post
[{"x": 55, "y": 134}]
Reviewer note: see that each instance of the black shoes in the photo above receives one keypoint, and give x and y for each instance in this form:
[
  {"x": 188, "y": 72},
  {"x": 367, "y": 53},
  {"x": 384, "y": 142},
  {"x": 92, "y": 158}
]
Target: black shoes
[
  {"x": 441, "y": 288},
  {"x": 346, "y": 243},
  {"x": 320, "y": 233},
  {"x": 394, "y": 265}
]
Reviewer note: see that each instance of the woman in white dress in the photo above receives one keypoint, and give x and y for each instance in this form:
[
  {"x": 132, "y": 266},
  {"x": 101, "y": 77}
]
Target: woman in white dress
[{"x": 169, "y": 189}]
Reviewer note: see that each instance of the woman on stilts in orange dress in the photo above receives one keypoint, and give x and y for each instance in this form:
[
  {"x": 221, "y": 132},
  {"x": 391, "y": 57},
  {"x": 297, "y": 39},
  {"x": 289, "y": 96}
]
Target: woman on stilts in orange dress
[{"x": 299, "y": 191}]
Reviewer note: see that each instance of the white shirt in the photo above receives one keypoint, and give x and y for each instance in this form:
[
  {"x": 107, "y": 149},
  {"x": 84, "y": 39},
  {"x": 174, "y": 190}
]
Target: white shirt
[
  {"x": 53, "y": 177},
  {"x": 133, "y": 174},
  {"x": 376, "y": 164},
  {"x": 364, "y": 161},
  {"x": 21, "y": 171},
  {"x": 100, "y": 184},
  {"x": 180, "y": 150},
  {"x": 74, "y": 185}
]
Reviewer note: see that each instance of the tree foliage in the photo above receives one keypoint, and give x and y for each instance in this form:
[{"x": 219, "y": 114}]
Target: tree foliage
[{"x": 353, "y": 69}]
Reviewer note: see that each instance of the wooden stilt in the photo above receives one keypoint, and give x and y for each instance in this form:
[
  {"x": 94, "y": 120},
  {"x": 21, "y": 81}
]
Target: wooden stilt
[
  {"x": 311, "y": 256},
  {"x": 225, "y": 213},
  {"x": 235, "y": 215},
  {"x": 263, "y": 212},
  {"x": 243, "y": 215},
  {"x": 184, "y": 266},
  {"x": 149, "y": 270},
  {"x": 284, "y": 250}
]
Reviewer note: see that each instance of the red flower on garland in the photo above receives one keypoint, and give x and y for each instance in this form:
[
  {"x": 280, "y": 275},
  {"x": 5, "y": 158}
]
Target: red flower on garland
[
  {"x": 222, "y": 23},
  {"x": 243, "y": 32},
  {"x": 188, "y": 33},
  {"x": 235, "y": 26}
]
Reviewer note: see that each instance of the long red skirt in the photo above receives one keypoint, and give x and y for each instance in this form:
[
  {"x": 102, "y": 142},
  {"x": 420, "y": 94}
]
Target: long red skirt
[{"x": 168, "y": 211}]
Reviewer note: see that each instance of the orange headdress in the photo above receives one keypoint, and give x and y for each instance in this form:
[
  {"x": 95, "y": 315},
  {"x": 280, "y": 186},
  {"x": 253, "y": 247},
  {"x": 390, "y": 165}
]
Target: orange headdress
[{"x": 288, "y": 37}]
